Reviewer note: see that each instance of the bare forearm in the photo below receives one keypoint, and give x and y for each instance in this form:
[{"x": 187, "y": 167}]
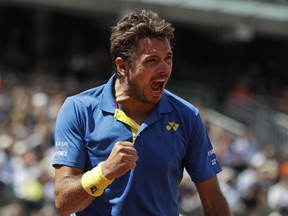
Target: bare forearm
[
  {"x": 213, "y": 201},
  {"x": 219, "y": 207},
  {"x": 70, "y": 195}
]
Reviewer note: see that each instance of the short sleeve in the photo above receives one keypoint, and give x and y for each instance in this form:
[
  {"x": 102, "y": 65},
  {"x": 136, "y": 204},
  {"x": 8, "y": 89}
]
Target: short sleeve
[
  {"x": 69, "y": 132},
  {"x": 200, "y": 160}
]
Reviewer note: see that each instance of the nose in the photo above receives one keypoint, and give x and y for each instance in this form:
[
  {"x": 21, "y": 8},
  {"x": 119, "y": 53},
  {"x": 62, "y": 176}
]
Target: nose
[{"x": 165, "y": 67}]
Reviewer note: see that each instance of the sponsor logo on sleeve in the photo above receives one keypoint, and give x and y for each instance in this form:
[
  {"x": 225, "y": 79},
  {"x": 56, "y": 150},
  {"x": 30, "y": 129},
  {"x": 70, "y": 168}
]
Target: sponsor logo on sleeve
[
  {"x": 211, "y": 152},
  {"x": 62, "y": 144},
  {"x": 60, "y": 153},
  {"x": 214, "y": 162}
]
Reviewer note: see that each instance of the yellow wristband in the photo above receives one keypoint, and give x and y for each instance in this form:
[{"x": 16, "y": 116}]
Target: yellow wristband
[{"x": 94, "y": 182}]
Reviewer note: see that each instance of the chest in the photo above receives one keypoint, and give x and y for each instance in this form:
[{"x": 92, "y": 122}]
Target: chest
[{"x": 160, "y": 144}]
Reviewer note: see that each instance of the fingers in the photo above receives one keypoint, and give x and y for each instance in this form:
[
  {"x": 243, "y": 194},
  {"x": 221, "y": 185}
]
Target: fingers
[
  {"x": 126, "y": 151},
  {"x": 122, "y": 158}
]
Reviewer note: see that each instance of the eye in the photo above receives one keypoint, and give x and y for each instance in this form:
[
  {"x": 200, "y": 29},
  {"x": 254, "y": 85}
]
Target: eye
[
  {"x": 168, "y": 58},
  {"x": 151, "y": 60}
]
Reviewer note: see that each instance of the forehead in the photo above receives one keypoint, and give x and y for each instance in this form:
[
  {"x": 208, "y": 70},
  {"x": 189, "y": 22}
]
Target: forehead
[{"x": 152, "y": 45}]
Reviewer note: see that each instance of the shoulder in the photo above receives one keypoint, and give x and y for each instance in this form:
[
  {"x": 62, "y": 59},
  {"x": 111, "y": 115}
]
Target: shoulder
[
  {"x": 90, "y": 94},
  {"x": 179, "y": 104},
  {"x": 87, "y": 97}
]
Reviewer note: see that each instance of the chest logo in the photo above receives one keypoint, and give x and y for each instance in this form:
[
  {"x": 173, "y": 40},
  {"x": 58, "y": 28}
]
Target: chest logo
[{"x": 172, "y": 125}]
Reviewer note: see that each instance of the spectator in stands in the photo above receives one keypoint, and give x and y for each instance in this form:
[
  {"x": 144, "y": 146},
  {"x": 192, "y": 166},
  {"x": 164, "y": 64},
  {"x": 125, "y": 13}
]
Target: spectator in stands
[
  {"x": 278, "y": 193},
  {"x": 243, "y": 149}
]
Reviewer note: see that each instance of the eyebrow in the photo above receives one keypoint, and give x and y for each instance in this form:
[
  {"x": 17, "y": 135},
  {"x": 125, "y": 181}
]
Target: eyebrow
[
  {"x": 153, "y": 54},
  {"x": 170, "y": 53}
]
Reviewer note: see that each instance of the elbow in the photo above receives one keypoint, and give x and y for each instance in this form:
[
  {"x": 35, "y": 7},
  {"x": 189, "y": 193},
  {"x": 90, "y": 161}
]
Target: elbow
[
  {"x": 60, "y": 207},
  {"x": 66, "y": 208}
]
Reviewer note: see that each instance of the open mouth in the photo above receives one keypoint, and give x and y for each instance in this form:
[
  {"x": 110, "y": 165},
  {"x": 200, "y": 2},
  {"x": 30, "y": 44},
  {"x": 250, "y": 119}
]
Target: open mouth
[{"x": 157, "y": 86}]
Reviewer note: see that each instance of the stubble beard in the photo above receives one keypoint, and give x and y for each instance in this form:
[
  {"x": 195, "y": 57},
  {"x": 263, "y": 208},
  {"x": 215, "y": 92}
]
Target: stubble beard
[{"x": 138, "y": 94}]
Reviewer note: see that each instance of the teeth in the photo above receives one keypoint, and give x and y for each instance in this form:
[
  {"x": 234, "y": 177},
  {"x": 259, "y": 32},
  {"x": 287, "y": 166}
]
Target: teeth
[
  {"x": 157, "y": 86},
  {"x": 160, "y": 80}
]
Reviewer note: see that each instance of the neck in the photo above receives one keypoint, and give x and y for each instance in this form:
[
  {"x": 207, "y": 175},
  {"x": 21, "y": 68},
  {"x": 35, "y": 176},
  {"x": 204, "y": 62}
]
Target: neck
[{"x": 134, "y": 109}]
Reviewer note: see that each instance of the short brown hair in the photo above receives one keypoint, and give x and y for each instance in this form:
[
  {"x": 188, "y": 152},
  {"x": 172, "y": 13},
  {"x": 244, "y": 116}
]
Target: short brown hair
[{"x": 133, "y": 27}]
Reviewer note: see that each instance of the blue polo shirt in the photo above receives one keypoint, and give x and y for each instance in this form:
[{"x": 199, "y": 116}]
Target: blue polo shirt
[{"x": 172, "y": 138}]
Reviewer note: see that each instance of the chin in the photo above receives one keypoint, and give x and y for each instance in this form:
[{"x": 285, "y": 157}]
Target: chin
[{"x": 155, "y": 100}]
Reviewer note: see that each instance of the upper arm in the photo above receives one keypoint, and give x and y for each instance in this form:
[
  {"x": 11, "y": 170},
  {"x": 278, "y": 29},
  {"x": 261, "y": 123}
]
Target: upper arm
[
  {"x": 64, "y": 171},
  {"x": 212, "y": 198},
  {"x": 67, "y": 187},
  {"x": 208, "y": 189}
]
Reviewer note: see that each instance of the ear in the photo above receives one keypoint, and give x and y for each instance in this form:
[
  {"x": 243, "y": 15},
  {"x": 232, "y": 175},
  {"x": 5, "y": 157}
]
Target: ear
[{"x": 122, "y": 66}]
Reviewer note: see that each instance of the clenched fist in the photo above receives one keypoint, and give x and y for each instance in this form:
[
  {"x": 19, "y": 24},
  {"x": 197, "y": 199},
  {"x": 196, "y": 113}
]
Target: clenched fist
[{"x": 122, "y": 158}]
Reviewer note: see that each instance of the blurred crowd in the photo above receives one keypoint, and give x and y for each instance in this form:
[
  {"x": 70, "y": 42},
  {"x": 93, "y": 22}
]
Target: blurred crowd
[
  {"x": 27, "y": 115},
  {"x": 254, "y": 178}
]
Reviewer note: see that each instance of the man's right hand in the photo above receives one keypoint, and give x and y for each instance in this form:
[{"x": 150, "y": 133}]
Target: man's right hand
[{"x": 122, "y": 158}]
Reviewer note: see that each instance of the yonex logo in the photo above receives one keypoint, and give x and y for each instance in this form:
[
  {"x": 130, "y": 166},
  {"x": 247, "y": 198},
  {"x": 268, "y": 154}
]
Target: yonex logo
[
  {"x": 172, "y": 125},
  {"x": 93, "y": 189}
]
